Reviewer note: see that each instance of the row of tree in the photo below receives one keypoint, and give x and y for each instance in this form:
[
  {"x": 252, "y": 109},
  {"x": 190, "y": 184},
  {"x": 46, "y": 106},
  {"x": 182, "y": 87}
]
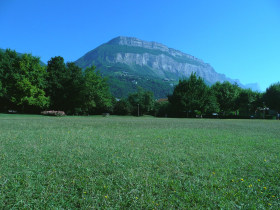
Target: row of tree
[
  {"x": 29, "y": 87},
  {"x": 192, "y": 96}
]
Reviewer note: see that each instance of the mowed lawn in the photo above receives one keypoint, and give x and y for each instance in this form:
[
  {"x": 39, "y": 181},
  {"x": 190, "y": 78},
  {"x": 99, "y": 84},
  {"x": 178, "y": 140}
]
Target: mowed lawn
[{"x": 138, "y": 163}]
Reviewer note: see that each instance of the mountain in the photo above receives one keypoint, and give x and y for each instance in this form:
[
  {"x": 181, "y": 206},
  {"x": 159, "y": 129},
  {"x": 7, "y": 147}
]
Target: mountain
[
  {"x": 254, "y": 86},
  {"x": 20, "y": 54},
  {"x": 134, "y": 57}
]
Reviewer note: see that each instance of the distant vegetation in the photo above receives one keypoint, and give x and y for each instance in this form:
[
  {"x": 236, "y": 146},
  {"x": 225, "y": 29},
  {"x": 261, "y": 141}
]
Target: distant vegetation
[
  {"x": 121, "y": 86},
  {"x": 28, "y": 87}
]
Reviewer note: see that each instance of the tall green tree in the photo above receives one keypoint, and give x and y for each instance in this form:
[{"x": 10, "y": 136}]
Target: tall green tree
[
  {"x": 248, "y": 100},
  {"x": 211, "y": 103},
  {"x": 58, "y": 76},
  {"x": 65, "y": 85},
  {"x": 74, "y": 87},
  {"x": 226, "y": 94},
  {"x": 71, "y": 89},
  {"x": 163, "y": 109},
  {"x": 190, "y": 94},
  {"x": 272, "y": 96},
  {"x": 145, "y": 99},
  {"x": 8, "y": 58},
  {"x": 123, "y": 107},
  {"x": 22, "y": 80},
  {"x": 96, "y": 91}
]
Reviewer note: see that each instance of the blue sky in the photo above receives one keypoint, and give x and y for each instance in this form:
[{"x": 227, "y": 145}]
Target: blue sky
[{"x": 240, "y": 39}]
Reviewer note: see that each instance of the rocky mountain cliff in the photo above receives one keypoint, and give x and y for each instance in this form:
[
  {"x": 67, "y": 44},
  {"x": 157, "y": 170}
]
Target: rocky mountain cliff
[{"x": 152, "y": 59}]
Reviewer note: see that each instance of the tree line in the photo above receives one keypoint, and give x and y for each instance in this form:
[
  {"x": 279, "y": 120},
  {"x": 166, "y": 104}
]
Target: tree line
[
  {"x": 29, "y": 87},
  {"x": 193, "y": 96}
]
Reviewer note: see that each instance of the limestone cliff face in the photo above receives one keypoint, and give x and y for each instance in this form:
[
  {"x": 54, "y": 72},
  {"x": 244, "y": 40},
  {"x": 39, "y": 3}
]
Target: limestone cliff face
[
  {"x": 163, "y": 63},
  {"x": 131, "y": 41},
  {"x": 160, "y": 60}
]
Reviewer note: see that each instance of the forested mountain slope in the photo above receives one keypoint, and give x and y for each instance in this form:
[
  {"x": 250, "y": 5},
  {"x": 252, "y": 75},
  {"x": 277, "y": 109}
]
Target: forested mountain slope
[{"x": 134, "y": 57}]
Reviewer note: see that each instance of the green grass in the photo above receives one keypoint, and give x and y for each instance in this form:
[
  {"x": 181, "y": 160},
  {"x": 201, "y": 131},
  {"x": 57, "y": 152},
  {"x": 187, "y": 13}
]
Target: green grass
[{"x": 138, "y": 163}]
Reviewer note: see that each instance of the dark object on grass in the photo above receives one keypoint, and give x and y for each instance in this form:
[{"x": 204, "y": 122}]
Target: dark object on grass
[
  {"x": 12, "y": 111},
  {"x": 53, "y": 113}
]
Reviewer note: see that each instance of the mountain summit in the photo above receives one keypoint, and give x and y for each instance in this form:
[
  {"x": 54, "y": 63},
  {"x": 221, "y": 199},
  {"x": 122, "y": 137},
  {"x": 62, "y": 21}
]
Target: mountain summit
[{"x": 138, "y": 57}]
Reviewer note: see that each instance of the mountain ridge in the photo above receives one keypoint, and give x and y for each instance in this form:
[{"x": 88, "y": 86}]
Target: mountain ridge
[
  {"x": 132, "y": 41},
  {"x": 162, "y": 61}
]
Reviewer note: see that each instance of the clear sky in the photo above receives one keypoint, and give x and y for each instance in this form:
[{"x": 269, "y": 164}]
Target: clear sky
[{"x": 239, "y": 38}]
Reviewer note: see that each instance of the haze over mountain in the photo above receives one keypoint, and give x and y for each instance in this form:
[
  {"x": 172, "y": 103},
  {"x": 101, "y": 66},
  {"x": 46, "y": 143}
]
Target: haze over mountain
[{"x": 138, "y": 57}]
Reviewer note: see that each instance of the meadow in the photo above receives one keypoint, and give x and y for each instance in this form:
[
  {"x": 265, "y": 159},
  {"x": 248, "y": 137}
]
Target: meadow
[{"x": 138, "y": 163}]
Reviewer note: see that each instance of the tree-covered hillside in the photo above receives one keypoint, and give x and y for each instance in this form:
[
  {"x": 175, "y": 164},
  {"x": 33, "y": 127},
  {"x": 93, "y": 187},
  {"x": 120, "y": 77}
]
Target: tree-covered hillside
[
  {"x": 121, "y": 86},
  {"x": 121, "y": 75}
]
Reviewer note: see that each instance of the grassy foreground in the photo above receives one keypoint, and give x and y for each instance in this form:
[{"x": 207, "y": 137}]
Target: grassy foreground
[{"x": 138, "y": 163}]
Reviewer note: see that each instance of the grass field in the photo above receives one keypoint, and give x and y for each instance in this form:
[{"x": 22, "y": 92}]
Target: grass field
[{"x": 138, "y": 163}]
